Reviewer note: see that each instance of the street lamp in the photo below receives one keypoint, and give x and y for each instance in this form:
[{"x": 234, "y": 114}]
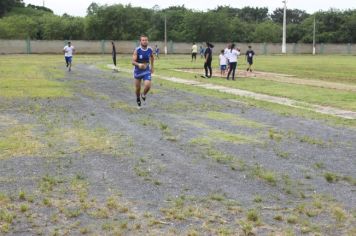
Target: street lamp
[
  {"x": 314, "y": 46},
  {"x": 284, "y": 41},
  {"x": 165, "y": 34}
]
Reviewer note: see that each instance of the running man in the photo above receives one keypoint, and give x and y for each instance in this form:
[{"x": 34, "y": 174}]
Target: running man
[
  {"x": 194, "y": 52},
  {"x": 249, "y": 58},
  {"x": 143, "y": 60},
  {"x": 69, "y": 50}
]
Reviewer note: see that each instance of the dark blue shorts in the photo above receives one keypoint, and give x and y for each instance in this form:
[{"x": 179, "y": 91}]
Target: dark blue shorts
[
  {"x": 68, "y": 59},
  {"x": 250, "y": 61},
  {"x": 222, "y": 67},
  {"x": 145, "y": 75}
]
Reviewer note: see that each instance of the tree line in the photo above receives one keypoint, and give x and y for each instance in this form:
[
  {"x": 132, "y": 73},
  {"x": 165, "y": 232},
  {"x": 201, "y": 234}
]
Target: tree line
[{"x": 222, "y": 24}]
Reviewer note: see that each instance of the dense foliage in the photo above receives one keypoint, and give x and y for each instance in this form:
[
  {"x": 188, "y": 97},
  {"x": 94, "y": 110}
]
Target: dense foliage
[{"x": 125, "y": 22}]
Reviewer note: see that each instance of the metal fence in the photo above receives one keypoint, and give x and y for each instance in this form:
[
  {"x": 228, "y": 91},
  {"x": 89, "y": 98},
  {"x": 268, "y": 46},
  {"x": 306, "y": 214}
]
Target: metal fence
[{"x": 104, "y": 46}]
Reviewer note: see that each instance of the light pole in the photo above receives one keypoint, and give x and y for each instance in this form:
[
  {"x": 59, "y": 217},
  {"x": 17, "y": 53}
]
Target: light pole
[
  {"x": 314, "y": 46},
  {"x": 165, "y": 35},
  {"x": 284, "y": 41}
]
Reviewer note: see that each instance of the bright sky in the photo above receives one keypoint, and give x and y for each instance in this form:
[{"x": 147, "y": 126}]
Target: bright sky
[{"x": 78, "y": 7}]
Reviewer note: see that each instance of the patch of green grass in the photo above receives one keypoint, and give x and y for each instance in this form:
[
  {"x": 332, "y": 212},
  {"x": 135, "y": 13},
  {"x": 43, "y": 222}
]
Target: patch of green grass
[
  {"x": 253, "y": 216},
  {"x": 257, "y": 199},
  {"x": 18, "y": 141},
  {"x": 339, "y": 214},
  {"x": 292, "y": 219},
  {"x": 319, "y": 165},
  {"x": 331, "y": 177},
  {"x": 312, "y": 141},
  {"x": 232, "y": 118},
  {"x": 47, "y": 183},
  {"x": 22, "y": 195},
  {"x": 130, "y": 108},
  {"x": 278, "y": 217},
  {"x": 282, "y": 154},
  {"x": 219, "y": 157},
  {"x": 264, "y": 174},
  {"x": 275, "y": 135},
  {"x": 72, "y": 212},
  {"x": 217, "y": 197},
  {"x": 246, "y": 227},
  {"x": 24, "y": 208},
  {"x": 31, "y": 77},
  {"x": 230, "y": 137},
  {"x": 93, "y": 94},
  {"x": 6, "y": 216}
]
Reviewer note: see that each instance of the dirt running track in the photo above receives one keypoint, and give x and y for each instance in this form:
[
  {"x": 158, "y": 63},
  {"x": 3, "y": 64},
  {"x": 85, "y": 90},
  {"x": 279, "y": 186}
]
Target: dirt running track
[{"x": 185, "y": 164}]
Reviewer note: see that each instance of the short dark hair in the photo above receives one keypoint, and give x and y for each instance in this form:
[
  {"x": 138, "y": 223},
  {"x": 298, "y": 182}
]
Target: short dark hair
[
  {"x": 249, "y": 46},
  {"x": 222, "y": 51}
]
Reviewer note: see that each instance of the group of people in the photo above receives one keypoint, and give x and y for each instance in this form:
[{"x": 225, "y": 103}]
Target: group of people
[
  {"x": 228, "y": 59},
  {"x": 143, "y": 62}
]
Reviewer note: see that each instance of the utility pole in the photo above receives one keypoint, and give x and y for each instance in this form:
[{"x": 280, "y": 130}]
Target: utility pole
[
  {"x": 165, "y": 34},
  {"x": 284, "y": 41},
  {"x": 314, "y": 42}
]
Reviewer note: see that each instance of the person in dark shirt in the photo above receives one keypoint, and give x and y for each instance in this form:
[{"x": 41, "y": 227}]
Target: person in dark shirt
[
  {"x": 208, "y": 54},
  {"x": 113, "y": 52},
  {"x": 249, "y": 58}
]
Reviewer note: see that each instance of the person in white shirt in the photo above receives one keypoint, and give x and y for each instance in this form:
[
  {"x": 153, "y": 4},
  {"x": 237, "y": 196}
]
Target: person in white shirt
[
  {"x": 222, "y": 60},
  {"x": 226, "y": 54},
  {"x": 194, "y": 52},
  {"x": 69, "y": 50},
  {"x": 233, "y": 55}
]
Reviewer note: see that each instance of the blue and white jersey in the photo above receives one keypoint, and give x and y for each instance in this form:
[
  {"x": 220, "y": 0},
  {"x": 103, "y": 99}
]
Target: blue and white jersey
[{"x": 143, "y": 56}]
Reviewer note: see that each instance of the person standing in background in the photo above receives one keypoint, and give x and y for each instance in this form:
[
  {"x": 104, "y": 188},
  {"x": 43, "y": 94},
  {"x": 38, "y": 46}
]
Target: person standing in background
[
  {"x": 194, "y": 52},
  {"x": 201, "y": 51},
  {"x": 208, "y": 59},
  {"x": 157, "y": 51},
  {"x": 113, "y": 53},
  {"x": 222, "y": 63},
  {"x": 233, "y": 55}
]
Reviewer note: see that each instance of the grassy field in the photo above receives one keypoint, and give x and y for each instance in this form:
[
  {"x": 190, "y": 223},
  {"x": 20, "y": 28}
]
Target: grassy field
[
  {"x": 78, "y": 158},
  {"x": 306, "y": 67},
  {"x": 31, "y": 76}
]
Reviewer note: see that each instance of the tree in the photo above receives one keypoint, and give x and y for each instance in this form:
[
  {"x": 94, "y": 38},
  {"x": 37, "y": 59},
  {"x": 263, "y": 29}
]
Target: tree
[
  {"x": 267, "y": 32},
  {"x": 7, "y": 5},
  {"x": 17, "y": 27},
  {"x": 294, "y": 16},
  {"x": 253, "y": 14}
]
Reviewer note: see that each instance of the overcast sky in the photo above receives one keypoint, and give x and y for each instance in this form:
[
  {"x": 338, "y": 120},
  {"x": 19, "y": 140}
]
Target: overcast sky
[{"x": 78, "y": 7}]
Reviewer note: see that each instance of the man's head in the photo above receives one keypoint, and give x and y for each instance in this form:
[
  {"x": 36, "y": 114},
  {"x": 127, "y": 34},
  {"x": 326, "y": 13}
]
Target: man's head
[
  {"x": 144, "y": 41},
  {"x": 249, "y": 47},
  {"x": 222, "y": 51},
  {"x": 69, "y": 43},
  {"x": 193, "y": 43},
  {"x": 112, "y": 42}
]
